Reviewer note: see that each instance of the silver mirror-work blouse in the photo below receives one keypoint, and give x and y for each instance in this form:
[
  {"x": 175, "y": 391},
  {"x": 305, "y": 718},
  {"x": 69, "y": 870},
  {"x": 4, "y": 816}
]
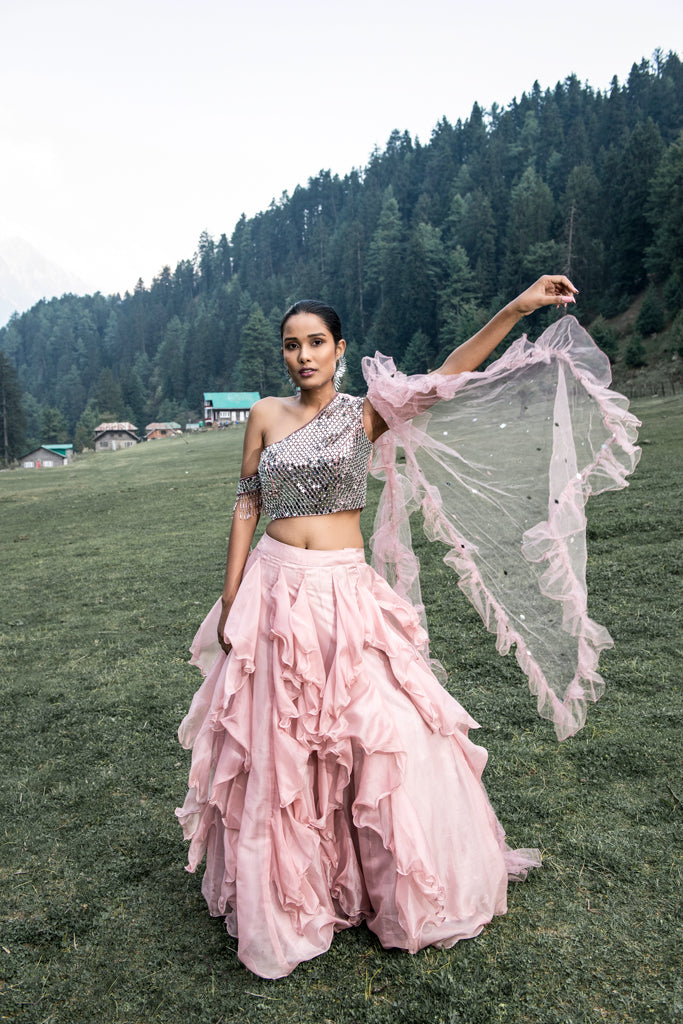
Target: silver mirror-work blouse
[{"x": 318, "y": 469}]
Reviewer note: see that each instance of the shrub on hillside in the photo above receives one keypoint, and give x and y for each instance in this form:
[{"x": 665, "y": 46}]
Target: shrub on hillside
[
  {"x": 676, "y": 333},
  {"x": 652, "y": 317},
  {"x": 673, "y": 293},
  {"x": 635, "y": 353},
  {"x": 605, "y": 337}
]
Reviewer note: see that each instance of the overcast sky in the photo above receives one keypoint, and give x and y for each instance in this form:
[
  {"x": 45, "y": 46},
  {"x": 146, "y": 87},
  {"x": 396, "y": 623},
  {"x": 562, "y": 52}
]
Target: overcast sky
[{"x": 129, "y": 127}]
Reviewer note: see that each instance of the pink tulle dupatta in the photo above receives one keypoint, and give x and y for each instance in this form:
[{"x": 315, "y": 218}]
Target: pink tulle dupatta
[{"x": 501, "y": 463}]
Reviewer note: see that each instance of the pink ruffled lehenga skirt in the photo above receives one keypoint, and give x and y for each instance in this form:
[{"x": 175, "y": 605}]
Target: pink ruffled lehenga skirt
[{"x": 332, "y": 779}]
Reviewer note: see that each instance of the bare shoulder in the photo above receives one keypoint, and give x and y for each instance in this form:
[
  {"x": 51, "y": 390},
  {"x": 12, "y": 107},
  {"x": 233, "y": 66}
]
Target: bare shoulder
[
  {"x": 266, "y": 410},
  {"x": 272, "y": 416},
  {"x": 264, "y": 406}
]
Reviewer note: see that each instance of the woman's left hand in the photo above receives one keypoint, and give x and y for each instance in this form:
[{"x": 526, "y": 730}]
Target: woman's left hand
[
  {"x": 225, "y": 609},
  {"x": 549, "y": 290}
]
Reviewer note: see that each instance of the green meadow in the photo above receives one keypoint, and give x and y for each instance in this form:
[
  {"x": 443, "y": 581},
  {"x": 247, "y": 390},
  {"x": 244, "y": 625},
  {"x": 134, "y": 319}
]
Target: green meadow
[{"x": 109, "y": 566}]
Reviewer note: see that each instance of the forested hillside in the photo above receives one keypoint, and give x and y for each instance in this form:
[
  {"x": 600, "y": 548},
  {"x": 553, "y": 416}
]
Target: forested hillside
[{"x": 414, "y": 250}]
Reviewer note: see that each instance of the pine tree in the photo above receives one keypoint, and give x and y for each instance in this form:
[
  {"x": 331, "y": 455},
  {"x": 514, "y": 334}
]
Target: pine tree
[
  {"x": 530, "y": 223},
  {"x": 84, "y": 434},
  {"x": 632, "y": 231},
  {"x": 109, "y": 397},
  {"x": 12, "y": 417},
  {"x": 205, "y": 262},
  {"x": 677, "y": 334},
  {"x": 418, "y": 356},
  {"x": 477, "y": 233},
  {"x": 605, "y": 337},
  {"x": 33, "y": 412},
  {"x": 134, "y": 396},
  {"x": 665, "y": 214},
  {"x": 70, "y": 396},
  {"x": 260, "y": 364},
  {"x": 584, "y": 260},
  {"x": 55, "y": 429},
  {"x": 651, "y": 317},
  {"x": 458, "y": 299},
  {"x": 385, "y": 251},
  {"x": 169, "y": 361},
  {"x": 425, "y": 269},
  {"x": 223, "y": 260},
  {"x": 635, "y": 353}
]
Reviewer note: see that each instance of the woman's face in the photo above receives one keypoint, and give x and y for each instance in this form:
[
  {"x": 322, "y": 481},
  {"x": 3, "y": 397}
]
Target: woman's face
[{"x": 309, "y": 350}]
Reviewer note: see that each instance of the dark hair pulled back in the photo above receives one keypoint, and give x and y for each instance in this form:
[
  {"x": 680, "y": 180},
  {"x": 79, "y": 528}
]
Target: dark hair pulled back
[{"x": 328, "y": 316}]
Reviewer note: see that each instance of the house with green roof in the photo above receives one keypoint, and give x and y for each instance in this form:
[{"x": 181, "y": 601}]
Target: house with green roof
[
  {"x": 222, "y": 408},
  {"x": 47, "y": 456}
]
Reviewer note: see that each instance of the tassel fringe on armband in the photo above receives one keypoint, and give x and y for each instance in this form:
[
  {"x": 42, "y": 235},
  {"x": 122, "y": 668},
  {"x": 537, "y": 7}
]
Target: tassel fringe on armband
[{"x": 248, "y": 501}]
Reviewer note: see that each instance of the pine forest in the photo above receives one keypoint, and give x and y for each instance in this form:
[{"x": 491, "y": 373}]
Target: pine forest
[{"x": 415, "y": 251}]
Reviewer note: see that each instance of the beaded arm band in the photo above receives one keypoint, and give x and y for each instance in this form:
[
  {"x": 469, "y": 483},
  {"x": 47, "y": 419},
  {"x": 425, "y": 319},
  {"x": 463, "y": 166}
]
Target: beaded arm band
[{"x": 248, "y": 501}]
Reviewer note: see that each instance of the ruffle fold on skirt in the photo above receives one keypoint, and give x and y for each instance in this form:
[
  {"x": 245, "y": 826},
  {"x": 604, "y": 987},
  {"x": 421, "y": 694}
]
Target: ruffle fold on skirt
[{"x": 332, "y": 777}]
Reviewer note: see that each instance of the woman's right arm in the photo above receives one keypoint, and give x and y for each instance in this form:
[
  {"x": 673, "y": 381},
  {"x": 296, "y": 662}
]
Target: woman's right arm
[
  {"x": 242, "y": 529},
  {"x": 549, "y": 290}
]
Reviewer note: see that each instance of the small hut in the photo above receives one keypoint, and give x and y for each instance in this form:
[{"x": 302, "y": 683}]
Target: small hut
[
  {"x": 153, "y": 431},
  {"x": 111, "y": 436},
  {"x": 47, "y": 456}
]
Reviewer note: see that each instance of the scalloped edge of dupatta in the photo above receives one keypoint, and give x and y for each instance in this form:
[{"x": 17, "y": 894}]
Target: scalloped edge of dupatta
[{"x": 398, "y": 398}]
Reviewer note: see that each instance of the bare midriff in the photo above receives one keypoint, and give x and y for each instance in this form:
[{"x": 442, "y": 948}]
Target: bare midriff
[{"x": 319, "y": 533}]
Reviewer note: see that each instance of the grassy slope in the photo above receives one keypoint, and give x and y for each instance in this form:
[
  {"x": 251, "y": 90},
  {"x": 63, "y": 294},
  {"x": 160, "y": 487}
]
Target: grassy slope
[{"x": 107, "y": 569}]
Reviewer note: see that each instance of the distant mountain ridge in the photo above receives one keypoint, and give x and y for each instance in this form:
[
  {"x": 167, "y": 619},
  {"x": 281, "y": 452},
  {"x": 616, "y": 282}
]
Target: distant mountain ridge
[{"x": 26, "y": 276}]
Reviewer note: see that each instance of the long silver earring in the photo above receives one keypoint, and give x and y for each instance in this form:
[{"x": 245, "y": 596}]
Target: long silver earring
[{"x": 339, "y": 372}]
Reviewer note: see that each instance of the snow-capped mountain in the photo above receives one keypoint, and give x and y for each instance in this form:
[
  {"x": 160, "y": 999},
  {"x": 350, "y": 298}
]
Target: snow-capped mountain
[{"x": 27, "y": 276}]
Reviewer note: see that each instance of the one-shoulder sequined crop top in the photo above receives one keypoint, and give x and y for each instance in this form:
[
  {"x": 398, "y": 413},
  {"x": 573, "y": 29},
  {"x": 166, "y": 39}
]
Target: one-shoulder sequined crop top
[{"x": 319, "y": 469}]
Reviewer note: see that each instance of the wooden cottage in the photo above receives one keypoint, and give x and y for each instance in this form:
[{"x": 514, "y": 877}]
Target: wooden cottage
[
  {"x": 111, "y": 436},
  {"x": 153, "y": 431},
  {"x": 48, "y": 456}
]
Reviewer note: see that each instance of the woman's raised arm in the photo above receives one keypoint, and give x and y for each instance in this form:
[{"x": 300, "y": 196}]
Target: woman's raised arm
[{"x": 549, "y": 290}]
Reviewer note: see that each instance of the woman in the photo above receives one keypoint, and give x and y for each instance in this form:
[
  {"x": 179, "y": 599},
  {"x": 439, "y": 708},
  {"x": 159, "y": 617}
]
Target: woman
[{"x": 333, "y": 780}]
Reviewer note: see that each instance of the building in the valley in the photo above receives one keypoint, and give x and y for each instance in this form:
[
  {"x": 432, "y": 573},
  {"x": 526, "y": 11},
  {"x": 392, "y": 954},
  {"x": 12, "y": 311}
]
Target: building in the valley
[
  {"x": 47, "y": 456},
  {"x": 222, "y": 408},
  {"x": 111, "y": 436},
  {"x": 153, "y": 431}
]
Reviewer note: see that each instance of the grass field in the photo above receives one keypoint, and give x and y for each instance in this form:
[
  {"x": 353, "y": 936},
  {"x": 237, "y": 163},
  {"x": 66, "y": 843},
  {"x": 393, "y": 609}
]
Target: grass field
[{"x": 107, "y": 569}]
